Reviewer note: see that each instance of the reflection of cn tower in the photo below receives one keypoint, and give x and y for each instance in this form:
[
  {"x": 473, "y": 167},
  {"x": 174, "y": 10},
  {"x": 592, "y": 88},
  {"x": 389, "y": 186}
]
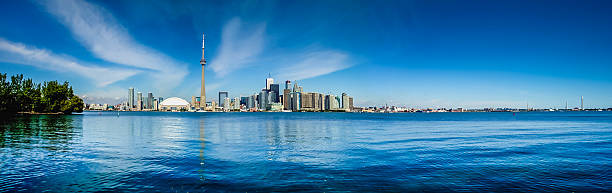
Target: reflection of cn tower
[{"x": 202, "y": 144}]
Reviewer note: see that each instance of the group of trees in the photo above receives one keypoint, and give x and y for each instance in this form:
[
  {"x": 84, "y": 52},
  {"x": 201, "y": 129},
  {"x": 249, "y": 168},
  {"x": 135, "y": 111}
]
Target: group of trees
[{"x": 23, "y": 95}]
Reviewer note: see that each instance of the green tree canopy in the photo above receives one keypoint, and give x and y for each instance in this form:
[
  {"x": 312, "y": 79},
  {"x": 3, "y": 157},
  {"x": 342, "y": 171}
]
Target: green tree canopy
[{"x": 21, "y": 95}]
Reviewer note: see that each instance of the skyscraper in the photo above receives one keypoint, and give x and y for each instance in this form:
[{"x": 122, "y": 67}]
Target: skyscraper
[
  {"x": 203, "y": 63},
  {"x": 263, "y": 99},
  {"x": 155, "y": 105},
  {"x": 236, "y": 104},
  {"x": 252, "y": 103},
  {"x": 327, "y": 102},
  {"x": 150, "y": 100},
  {"x": 345, "y": 101},
  {"x": 131, "y": 98},
  {"x": 581, "y": 103},
  {"x": 222, "y": 96},
  {"x": 276, "y": 92},
  {"x": 309, "y": 101},
  {"x": 226, "y": 104},
  {"x": 244, "y": 101},
  {"x": 139, "y": 101},
  {"x": 316, "y": 101},
  {"x": 296, "y": 101},
  {"x": 269, "y": 81},
  {"x": 287, "y": 98},
  {"x": 295, "y": 98},
  {"x": 321, "y": 102},
  {"x": 288, "y": 84}
]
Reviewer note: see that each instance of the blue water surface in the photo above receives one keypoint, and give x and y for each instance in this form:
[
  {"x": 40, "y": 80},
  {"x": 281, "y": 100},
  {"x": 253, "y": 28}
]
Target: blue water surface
[{"x": 313, "y": 152}]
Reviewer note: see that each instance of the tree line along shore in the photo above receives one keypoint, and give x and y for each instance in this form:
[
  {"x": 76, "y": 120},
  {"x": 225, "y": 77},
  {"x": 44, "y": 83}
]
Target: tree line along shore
[{"x": 19, "y": 95}]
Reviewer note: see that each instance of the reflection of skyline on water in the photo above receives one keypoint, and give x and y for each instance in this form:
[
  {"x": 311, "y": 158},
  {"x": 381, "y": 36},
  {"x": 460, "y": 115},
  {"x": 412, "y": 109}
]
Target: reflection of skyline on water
[{"x": 195, "y": 152}]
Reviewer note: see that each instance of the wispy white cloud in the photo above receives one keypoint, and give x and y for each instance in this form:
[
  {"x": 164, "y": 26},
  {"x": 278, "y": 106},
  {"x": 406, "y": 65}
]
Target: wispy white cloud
[
  {"x": 239, "y": 47},
  {"x": 243, "y": 46},
  {"x": 97, "y": 30},
  {"x": 19, "y": 53},
  {"x": 313, "y": 64}
]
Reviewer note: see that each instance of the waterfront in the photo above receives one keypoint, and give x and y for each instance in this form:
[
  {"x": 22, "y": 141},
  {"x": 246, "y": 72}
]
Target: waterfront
[{"x": 320, "y": 152}]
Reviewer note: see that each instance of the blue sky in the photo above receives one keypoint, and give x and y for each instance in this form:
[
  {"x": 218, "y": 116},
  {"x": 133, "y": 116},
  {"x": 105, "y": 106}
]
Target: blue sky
[{"x": 469, "y": 54}]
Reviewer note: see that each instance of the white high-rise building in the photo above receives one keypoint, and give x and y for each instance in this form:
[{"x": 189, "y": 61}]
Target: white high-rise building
[
  {"x": 226, "y": 104},
  {"x": 269, "y": 81},
  {"x": 236, "y": 104},
  {"x": 345, "y": 101}
]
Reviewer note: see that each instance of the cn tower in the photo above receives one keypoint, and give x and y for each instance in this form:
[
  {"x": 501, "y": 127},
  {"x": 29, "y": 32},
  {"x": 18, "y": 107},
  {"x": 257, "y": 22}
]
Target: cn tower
[{"x": 203, "y": 63}]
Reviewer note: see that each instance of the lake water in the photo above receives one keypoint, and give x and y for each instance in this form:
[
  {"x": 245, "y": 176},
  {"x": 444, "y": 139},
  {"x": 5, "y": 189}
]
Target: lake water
[{"x": 316, "y": 152}]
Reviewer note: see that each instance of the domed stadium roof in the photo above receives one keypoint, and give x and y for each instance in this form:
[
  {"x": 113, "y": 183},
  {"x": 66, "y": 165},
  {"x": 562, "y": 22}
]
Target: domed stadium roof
[{"x": 174, "y": 101}]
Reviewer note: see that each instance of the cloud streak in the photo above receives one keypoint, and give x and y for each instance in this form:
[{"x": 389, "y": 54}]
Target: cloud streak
[
  {"x": 98, "y": 31},
  {"x": 19, "y": 53},
  {"x": 239, "y": 48},
  {"x": 315, "y": 63},
  {"x": 242, "y": 47}
]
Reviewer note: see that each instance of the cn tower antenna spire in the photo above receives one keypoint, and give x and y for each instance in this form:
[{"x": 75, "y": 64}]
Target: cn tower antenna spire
[{"x": 203, "y": 60}]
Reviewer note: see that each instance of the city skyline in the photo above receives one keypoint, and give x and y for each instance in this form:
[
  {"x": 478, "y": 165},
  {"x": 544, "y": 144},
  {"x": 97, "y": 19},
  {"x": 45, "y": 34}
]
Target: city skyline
[{"x": 399, "y": 55}]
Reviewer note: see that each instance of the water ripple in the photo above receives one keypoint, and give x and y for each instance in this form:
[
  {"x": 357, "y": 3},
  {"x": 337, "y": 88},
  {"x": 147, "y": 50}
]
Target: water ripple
[{"x": 310, "y": 152}]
